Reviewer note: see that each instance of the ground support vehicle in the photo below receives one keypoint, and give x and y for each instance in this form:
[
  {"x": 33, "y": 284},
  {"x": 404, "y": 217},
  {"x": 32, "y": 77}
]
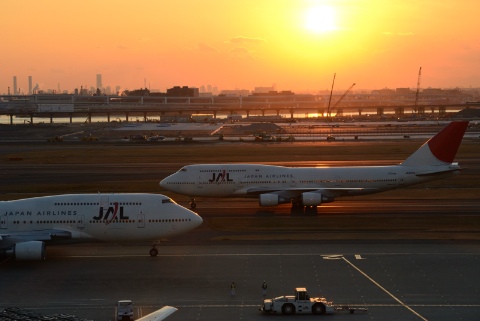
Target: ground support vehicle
[
  {"x": 125, "y": 310},
  {"x": 302, "y": 303}
]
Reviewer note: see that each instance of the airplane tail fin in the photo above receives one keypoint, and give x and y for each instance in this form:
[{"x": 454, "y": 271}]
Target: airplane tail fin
[{"x": 441, "y": 148}]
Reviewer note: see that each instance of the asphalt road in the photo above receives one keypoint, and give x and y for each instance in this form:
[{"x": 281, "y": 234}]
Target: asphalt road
[{"x": 396, "y": 281}]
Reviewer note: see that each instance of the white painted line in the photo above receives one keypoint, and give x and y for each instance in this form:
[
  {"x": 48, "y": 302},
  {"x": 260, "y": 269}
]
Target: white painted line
[{"x": 385, "y": 290}]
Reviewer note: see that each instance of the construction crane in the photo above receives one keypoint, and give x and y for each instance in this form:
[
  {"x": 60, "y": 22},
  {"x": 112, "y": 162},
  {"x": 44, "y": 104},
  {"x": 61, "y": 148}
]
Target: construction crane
[
  {"x": 418, "y": 87},
  {"x": 343, "y": 96},
  {"x": 330, "y": 99},
  {"x": 338, "y": 101}
]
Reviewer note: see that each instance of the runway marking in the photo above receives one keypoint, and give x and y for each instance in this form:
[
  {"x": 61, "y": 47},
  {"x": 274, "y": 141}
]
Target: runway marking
[
  {"x": 332, "y": 257},
  {"x": 324, "y": 256},
  {"x": 385, "y": 290}
]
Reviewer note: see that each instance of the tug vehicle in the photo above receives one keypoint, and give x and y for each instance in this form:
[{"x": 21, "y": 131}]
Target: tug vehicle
[
  {"x": 302, "y": 303},
  {"x": 125, "y": 310}
]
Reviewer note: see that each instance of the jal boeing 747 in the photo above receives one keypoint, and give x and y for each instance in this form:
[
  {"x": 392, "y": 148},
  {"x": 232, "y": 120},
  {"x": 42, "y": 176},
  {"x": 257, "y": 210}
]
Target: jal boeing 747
[
  {"x": 312, "y": 186},
  {"x": 26, "y": 224}
]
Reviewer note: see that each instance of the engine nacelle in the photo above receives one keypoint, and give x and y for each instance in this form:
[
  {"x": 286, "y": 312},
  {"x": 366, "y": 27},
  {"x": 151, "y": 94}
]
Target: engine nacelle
[
  {"x": 311, "y": 199},
  {"x": 32, "y": 250},
  {"x": 272, "y": 200}
]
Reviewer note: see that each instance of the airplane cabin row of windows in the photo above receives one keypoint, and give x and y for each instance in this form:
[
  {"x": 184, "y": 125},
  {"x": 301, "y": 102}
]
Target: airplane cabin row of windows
[
  {"x": 219, "y": 170},
  {"x": 318, "y": 181},
  {"x": 44, "y": 222},
  {"x": 180, "y": 183},
  {"x": 172, "y": 220},
  {"x": 98, "y": 204},
  {"x": 348, "y": 181}
]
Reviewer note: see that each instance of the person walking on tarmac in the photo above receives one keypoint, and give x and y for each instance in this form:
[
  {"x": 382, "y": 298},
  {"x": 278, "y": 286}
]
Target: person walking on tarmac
[
  {"x": 232, "y": 289},
  {"x": 264, "y": 288}
]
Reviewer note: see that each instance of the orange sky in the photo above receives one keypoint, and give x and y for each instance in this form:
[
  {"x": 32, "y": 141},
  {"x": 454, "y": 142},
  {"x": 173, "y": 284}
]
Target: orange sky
[{"x": 240, "y": 44}]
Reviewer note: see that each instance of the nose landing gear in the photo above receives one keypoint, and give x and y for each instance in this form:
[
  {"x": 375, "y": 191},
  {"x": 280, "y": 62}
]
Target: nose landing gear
[
  {"x": 193, "y": 204},
  {"x": 154, "y": 251}
]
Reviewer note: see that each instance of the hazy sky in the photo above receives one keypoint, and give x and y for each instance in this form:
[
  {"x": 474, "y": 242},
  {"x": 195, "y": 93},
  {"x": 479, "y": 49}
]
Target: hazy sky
[{"x": 240, "y": 44}]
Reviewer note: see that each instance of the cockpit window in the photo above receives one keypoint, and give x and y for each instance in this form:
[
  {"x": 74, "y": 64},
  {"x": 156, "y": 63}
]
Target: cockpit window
[
  {"x": 167, "y": 200},
  {"x": 183, "y": 169}
]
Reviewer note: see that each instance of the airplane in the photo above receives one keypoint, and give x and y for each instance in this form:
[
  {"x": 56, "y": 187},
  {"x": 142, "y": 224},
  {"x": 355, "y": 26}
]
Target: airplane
[
  {"x": 306, "y": 188},
  {"x": 26, "y": 224}
]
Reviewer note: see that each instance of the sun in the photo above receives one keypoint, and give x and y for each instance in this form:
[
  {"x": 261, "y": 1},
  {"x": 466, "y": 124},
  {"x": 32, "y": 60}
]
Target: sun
[{"x": 320, "y": 19}]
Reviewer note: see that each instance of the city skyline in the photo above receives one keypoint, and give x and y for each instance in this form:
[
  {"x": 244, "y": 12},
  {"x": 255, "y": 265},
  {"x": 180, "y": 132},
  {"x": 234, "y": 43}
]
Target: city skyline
[{"x": 292, "y": 45}]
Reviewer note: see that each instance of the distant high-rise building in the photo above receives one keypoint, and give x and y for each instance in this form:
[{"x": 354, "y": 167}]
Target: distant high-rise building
[
  {"x": 30, "y": 85},
  {"x": 15, "y": 92},
  {"x": 99, "y": 81},
  {"x": 263, "y": 90}
]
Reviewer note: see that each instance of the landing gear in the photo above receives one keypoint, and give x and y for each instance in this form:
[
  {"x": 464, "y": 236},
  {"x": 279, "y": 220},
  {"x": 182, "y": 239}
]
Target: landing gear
[
  {"x": 154, "y": 251},
  {"x": 193, "y": 204},
  {"x": 311, "y": 210},
  {"x": 299, "y": 209}
]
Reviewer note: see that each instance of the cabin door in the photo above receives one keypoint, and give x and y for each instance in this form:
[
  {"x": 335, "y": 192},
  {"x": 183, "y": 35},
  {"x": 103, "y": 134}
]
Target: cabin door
[
  {"x": 81, "y": 221},
  {"x": 3, "y": 222},
  {"x": 141, "y": 220}
]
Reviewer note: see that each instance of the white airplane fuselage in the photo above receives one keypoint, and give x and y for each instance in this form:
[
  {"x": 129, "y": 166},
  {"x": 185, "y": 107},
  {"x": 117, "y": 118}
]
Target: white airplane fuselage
[
  {"x": 106, "y": 217},
  {"x": 249, "y": 180}
]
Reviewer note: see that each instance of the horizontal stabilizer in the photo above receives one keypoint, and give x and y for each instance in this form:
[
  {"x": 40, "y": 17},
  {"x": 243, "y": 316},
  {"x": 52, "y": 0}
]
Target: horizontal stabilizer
[{"x": 434, "y": 173}]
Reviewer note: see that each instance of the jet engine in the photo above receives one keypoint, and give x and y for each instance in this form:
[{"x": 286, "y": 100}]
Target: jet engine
[
  {"x": 272, "y": 200},
  {"x": 311, "y": 199},
  {"x": 31, "y": 250}
]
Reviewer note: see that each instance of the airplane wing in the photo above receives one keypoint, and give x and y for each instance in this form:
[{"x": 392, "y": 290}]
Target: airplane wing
[
  {"x": 159, "y": 315},
  {"x": 11, "y": 238},
  {"x": 293, "y": 192}
]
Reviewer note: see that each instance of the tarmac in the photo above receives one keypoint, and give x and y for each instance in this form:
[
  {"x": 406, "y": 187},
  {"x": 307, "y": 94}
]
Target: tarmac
[
  {"x": 396, "y": 275},
  {"x": 408, "y": 281}
]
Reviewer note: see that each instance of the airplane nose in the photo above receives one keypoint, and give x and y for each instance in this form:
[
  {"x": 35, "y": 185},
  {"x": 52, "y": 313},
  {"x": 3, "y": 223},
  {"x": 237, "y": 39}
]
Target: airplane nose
[
  {"x": 197, "y": 219},
  {"x": 163, "y": 183}
]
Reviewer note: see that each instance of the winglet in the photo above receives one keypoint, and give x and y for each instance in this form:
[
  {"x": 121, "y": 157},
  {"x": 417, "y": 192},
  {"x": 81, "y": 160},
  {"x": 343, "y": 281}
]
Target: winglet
[{"x": 441, "y": 148}]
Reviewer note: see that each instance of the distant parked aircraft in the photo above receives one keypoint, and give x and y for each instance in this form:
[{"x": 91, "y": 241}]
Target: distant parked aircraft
[
  {"x": 308, "y": 188},
  {"x": 26, "y": 224}
]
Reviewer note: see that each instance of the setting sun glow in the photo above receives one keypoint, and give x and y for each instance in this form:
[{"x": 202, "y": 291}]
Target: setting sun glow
[
  {"x": 223, "y": 45},
  {"x": 320, "y": 19}
]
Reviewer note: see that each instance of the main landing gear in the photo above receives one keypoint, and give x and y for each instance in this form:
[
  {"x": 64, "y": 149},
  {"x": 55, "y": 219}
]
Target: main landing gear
[{"x": 299, "y": 209}]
